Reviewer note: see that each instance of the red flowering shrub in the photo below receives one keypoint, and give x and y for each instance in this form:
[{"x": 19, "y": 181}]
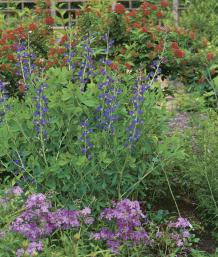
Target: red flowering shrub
[
  {"x": 32, "y": 31},
  {"x": 146, "y": 37},
  {"x": 174, "y": 45},
  {"x": 141, "y": 31}
]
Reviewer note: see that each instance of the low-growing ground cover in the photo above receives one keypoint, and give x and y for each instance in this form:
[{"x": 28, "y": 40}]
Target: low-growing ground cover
[{"x": 94, "y": 160}]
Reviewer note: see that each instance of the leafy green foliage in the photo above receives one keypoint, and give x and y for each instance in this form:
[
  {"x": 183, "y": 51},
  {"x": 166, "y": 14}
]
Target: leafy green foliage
[
  {"x": 201, "y": 16},
  {"x": 200, "y": 171},
  {"x": 113, "y": 169}
]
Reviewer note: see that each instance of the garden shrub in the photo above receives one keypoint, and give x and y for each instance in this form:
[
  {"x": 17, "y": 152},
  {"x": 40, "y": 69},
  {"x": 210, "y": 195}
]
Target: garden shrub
[
  {"x": 86, "y": 132},
  {"x": 34, "y": 28},
  {"x": 142, "y": 34},
  {"x": 201, "y": 16}
]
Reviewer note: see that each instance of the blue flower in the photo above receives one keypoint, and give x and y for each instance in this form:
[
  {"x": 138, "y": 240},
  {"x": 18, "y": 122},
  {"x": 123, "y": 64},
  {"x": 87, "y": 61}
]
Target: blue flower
[
  {"x": 41, "y": 109},
  {"x": 87, "y": 145},
  {"x": 137, "y": 100}
]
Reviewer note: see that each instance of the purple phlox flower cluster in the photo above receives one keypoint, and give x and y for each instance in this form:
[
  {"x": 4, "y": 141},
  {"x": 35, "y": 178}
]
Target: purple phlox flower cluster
[
  {"x": 85, "y": 213},
  {"x": 87, "y": 145},
  {"x": 66, "y": 219},
  {"x": 86, "y": 65},
  {"x": 2, "y": 234},
  {"x": 34, "y": 223},
  {"x": 32, "y": 249},
  {"x": 16, "y": 190},
  {"x": 3, "y": 101},
  {"x": 38, "y": 221},
  {"x": 181, "y": 233},
  {"x": 129, "y": 231},
  {"x": 159, "y": 234},
  {"x": 25, "y": 61},
  {"x": 9, "y": 194},
  {"x": 41, "y": 109},
  {"x": 180, "y": 223}
]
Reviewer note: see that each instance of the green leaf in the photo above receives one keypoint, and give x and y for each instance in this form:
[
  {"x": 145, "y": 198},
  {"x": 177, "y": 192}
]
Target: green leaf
[
  {"x": 64, "y": 159},
  {"x": 89, "y": 100},
  {"x": 67, "y": 94},
  {"x": 216, "y": 81},
  {"x": 81, "y": 161}
]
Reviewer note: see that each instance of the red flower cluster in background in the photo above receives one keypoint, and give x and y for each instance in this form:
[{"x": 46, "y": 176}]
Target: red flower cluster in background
[
  {"x": 48, "y": 3},
  {"x": 10, "y": 57},
  {"x": 136, "y": 25},
  {"x": 49, "y": 20},
  {"x": 192, "y": 35},
  {"x": 174, "y": 45},
  {"x": 159, "y": 47},
  {"x": 132, "y": 13},
  {"x": 144, "y": 5},
  {"x": 210, "y": 56},
  {"x": 128, "y": 65},
  {"x": 153, "y": 7},
  {"x": 120, "y": 9},
  {"x": 176, "y": 50},
  {"x": 164, "y": 3},
  {"x": 159, "y": 15},
  {"x": 144, "y": 30},
  {"x": 33, "y": 26},
  {"x": 179, "y": 53},
  {"x": 63, "y": 40},
  {"x": 114, "y": 66}
]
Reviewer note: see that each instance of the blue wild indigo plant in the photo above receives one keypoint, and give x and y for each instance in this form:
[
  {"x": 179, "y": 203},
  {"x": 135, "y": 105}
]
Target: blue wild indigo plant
[
  {"x": 96, "y": 122},
  {"x": 4, "y": 95}
]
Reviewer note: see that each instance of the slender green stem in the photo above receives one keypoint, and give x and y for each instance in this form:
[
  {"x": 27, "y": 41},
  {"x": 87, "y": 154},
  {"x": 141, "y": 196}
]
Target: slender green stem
[
  {"x": 171, "y": 191},
  {"x": 22, "y": 71},
  {"x": 138, "y": 182},
  {"x": 121, "y": 178},
  {"x": 41, "y": 138}
]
